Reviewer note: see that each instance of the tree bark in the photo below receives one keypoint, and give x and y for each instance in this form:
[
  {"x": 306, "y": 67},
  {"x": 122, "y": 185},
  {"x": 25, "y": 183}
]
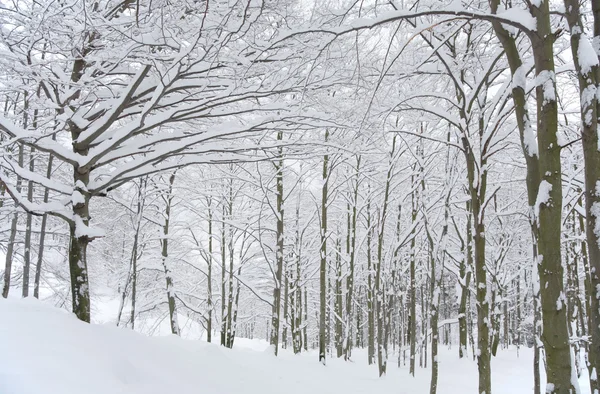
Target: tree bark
[
  {"x": 380, "y": 297},
  {"x": 555, "y": 334},
  {"x": 412, "y": 324},
  {"x": 276, "y": 310},
  {"x": 12, "y": 237},
  {"x": 323, "y": 264},
  {"x": 370, "y": 289},
  {"x": 589, "y": 80},
  {"x": 28, "y": 223},
  {"x": 165, "y": 260},
  {"x": 40, "y": 254},
  {"x": 352, "y": 257},
  {"x": 209, "y": 300},
  {"x": 338, "y": 303},
  {"x": 223, "y": 270}
]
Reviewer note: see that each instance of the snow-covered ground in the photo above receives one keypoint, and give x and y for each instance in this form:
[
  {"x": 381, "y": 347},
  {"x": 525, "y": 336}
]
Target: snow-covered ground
[{"x": 46, "y": 350}]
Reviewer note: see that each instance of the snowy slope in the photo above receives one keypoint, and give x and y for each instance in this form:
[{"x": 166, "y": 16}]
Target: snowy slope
[{"x": 45, "y": 350}]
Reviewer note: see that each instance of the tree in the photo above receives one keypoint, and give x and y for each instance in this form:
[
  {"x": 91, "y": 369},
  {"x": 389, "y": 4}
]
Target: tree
[{"x": 166, "y": 110}]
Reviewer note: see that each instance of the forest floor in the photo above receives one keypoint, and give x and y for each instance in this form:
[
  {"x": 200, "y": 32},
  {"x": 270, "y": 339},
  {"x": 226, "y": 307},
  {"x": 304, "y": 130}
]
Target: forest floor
[{"x": 46, "y": 350}]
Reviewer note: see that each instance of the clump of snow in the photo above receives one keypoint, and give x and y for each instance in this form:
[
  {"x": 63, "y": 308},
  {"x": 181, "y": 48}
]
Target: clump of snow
[
  {"x": 561, "y": 139},
  {"x": 529, "y": 138},
  {"x": 586, "y": 55},
  {"x": 561, "y": 301},
  {"x": 546, "y": 79},
  {"x": 520, "y": 78},
  {"x": 574, "y": 381},
  {"x": 83, "y": 230},
  {"x": 520, "y": 16},
  {"x": 595, "y": 210},
  {"x": 587, "y": 96},
  {"x": 596, "y": 44},
  {"x": 80, "y": 185},
  {"x": 77, "y": 198},
  {"x": 543, "y": 196}
]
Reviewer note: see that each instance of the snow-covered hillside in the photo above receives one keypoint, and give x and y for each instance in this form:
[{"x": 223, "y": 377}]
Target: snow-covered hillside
[{"x": 46, "y": 350}]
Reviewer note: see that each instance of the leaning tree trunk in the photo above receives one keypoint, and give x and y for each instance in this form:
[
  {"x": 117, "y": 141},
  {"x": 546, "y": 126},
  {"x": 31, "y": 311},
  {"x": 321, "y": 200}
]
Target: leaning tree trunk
[{"x": 132, "y": 277}]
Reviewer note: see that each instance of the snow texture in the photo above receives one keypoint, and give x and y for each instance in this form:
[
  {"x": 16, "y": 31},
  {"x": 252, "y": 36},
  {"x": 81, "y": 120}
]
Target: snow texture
[
  {"x": 529, "y": 138},
  {"x": 586, "y": 55},
  {"x": 595, "y": 210},
  {"x": 520, "y": 78},
  {"x": 46, "y": 350}
]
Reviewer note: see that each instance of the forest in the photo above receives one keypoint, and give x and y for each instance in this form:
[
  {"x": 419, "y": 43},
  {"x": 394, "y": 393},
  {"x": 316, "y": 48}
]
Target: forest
[{"x": 393, "y": 177}]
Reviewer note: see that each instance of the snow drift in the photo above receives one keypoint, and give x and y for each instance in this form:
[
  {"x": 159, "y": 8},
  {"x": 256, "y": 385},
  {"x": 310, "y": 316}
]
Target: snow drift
[{"x": 47, "y": 350}]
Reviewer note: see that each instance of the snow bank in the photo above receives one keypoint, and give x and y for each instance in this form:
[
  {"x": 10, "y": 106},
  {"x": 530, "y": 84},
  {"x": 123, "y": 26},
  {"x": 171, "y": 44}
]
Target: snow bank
[{"x": 46, "y": 350}]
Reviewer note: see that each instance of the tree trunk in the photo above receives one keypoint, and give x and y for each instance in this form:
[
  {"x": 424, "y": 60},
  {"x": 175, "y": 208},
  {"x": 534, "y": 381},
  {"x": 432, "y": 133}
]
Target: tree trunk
[
  {"x": 434, "y": 313},
  {"x": 380, "y": 297},
  {"x": 338, "y": 304},
  {"x": 165, "y": 260},
  {"x": 78, "y": 244},
  {"x": 370, "y": 289},
  {"x": 352, "y": 258},
  {"x": 209, "y": 272},
  {"x": 530, "y": 151},
  {"x": 276, "y": 310},
  {"x": 589, "y": 78},
  {"x": 12, "y": 237},
  {"x": 223, "y": 288},
  {"x": 305, "y": 326},
  {"x": 40, "y": 254},
  {"x": 477, "y": 186},
  {"x": 555, "y": 334},
  {"x": 323, "y": 264},
  {"x": 27, "y": 251},
  {"x": 297, "y": 289},
  {"x": 230, "y": 296},
  {"x": 286, "y": 306}
]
